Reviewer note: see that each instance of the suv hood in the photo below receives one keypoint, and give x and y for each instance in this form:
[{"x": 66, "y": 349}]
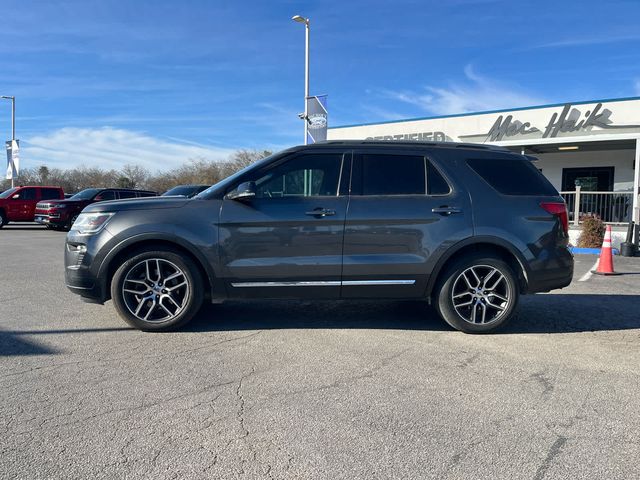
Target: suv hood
[{"x": 148, "y": 203}]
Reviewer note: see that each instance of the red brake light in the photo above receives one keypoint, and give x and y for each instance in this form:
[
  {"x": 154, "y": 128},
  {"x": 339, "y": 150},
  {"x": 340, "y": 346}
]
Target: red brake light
[{"x": 559, "y": 209}]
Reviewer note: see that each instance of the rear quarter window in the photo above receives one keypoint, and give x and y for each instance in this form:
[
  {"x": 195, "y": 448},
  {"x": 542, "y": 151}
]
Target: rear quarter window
[
  {"x": 512, "y": 176},
  {"x": 50, "y": 193}
]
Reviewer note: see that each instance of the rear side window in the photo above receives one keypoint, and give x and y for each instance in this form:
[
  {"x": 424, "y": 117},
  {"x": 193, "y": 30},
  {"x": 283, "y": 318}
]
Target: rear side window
[
  {"x": 436, "y": 184},
  {"x": 127, "y": 194},
  {"x": 512, "y": 176},
  {"x": 147, "y": 194},
  {"x": 393, "y": 175},
  {"x": 49, "y": 193}
]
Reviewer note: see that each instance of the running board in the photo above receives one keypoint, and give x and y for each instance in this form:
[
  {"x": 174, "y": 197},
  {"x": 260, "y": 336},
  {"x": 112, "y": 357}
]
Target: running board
[{"x": 346, "y": 283}]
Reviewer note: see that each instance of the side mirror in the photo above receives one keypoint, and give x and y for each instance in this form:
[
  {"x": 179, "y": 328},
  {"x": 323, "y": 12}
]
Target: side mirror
[
  {"x": 244, "y": 191},
  {"x": 16, "y": 196}
]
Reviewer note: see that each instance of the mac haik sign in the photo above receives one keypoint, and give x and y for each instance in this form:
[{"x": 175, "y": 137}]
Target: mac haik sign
[
  {"x": 555, "y": 121},
  {"x": 569, "y": 120}
]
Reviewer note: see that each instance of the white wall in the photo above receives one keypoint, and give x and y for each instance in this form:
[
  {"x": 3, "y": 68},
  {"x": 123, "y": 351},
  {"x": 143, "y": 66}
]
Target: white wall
[{"x": 622, "y": 160}]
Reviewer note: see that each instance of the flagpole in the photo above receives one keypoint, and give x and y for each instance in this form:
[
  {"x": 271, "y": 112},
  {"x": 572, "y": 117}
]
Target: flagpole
[{"x": 13, "y": 126}]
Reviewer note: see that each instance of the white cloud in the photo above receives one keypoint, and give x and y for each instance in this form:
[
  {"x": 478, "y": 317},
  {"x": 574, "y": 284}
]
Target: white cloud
[
  {"x": 109, "y": 148},
  {"x": 477, "y": 93}
]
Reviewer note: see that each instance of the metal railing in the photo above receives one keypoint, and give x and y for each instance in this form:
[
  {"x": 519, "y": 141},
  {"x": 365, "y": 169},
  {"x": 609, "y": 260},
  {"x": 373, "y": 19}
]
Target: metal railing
[{"x": 611, "y": 207}]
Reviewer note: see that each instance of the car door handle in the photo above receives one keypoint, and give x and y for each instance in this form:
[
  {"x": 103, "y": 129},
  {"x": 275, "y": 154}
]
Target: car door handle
[
  {"x": 446, "y": 210},
  {"x": 321, "y": 212}
]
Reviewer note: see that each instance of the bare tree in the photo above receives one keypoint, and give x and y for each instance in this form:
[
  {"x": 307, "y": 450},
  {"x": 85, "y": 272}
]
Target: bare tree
[{"x": 194, "y": 171}]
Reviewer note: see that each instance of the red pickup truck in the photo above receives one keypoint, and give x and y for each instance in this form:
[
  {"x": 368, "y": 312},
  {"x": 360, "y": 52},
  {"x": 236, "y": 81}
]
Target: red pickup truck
[{"x": 19, "y": 204}]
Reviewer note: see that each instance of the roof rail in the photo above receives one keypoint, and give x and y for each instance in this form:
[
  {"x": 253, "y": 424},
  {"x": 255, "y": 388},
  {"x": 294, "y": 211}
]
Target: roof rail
[{"x": 413, "y": 143}]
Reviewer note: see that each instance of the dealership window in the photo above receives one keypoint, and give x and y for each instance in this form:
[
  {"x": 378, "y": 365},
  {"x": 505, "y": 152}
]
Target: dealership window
[{"x": 590, "y": 179}]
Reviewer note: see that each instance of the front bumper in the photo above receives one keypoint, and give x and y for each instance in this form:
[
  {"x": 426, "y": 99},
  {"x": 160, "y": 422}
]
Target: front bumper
[
  {"x": 81, "y": 266},
  {"x": 48, "y": 219}
]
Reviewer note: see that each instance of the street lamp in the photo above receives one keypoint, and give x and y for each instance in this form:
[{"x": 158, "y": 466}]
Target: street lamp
[
  {"x": 301, "y": 19},
  {"x": 13, "y": 114},
  {"x": 13, "y": 120}
]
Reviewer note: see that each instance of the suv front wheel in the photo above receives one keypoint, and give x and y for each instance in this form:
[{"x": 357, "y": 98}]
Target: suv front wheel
[
  {"x": 157, "y": 290},
  {"x": 478, "y": 294}
]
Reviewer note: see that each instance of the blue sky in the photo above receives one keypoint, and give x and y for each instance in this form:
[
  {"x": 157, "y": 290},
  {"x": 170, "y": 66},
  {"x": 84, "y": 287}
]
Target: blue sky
[{"x": 158, "y": 82}]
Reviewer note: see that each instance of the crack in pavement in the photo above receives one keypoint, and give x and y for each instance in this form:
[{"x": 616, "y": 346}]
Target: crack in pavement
[{"x": 553, "y": 452}]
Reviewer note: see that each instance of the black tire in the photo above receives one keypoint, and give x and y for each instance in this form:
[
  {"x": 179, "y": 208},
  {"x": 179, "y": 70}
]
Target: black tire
[
  {"x": 3, "y": 219},
  {"x": 69, "y": 224},
  {"x": 133, "y": 271},
  {"x": 452, "y": 287}
]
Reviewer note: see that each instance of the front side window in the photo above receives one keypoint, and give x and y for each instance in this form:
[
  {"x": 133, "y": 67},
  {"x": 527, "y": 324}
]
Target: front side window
[
  {"x": 303, "y": 176},
  {"x": 27, "y": 194},
  {"x": 385, "y": 174},
  {"x": 105, "y": 195},
  {"x": 127, "y": 194}
]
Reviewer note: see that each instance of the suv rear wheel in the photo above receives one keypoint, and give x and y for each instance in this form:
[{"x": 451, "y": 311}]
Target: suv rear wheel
[
  {"x": 478, "y": 294},
  {"x": 157, "y": 290}
]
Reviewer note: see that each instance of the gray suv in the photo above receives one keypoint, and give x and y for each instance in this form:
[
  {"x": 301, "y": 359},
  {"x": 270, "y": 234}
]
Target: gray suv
[{"x": 468, "y": 228}]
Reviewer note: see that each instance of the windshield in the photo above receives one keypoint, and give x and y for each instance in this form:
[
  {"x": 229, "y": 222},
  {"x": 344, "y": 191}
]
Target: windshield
[
  {"x": 226, "y": 181},
  {"x": 8, "y": 193},
  {"x": 87, "y": 194}
]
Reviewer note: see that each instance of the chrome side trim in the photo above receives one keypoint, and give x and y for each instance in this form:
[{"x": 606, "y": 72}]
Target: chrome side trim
[
  {"x": 347, "y": 283},
  {"x": 287, "y": 284},
  {"x": 350, "y": 283}
]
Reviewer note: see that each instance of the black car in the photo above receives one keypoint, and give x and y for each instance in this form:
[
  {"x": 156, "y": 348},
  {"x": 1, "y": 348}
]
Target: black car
[
  {"x": 465, "y": 227},
  {"x": 185, "y": 190}
]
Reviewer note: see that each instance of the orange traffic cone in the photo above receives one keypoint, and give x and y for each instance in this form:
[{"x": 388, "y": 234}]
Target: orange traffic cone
[{"x": 605, "y": 265}]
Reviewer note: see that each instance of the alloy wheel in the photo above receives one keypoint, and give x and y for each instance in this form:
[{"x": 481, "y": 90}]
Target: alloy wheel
[
  {"x": 155, "y": 290},
  {"x": 481, "y": 294}
]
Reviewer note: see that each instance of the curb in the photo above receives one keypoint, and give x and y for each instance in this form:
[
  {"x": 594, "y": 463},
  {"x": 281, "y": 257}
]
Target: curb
[{"x": 590, "y": 251}]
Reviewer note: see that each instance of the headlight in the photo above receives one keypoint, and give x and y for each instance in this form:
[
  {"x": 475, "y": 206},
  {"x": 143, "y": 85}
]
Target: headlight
[{"x": 91, "y": 223}]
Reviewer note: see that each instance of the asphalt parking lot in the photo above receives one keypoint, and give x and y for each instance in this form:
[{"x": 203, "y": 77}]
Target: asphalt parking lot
[{"x": 326, "y": 390}]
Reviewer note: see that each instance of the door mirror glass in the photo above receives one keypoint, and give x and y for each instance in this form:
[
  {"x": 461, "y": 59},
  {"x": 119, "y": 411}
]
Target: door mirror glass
[
  {"x": 16, "y": 196},
  {"x": 243, "y": 191}
]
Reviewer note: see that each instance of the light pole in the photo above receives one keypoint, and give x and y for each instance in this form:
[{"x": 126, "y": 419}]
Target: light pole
[
  {"x": 300, "y": 19},
  {"x": 13, "y": 121}
]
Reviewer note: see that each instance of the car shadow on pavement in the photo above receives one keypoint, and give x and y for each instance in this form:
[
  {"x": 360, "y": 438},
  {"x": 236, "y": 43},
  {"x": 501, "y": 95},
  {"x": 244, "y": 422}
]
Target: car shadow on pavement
[
  {"x": 316, "y": 314},
  {"x": 13, "y": 343},
  {"x": 556, "y": 313}
]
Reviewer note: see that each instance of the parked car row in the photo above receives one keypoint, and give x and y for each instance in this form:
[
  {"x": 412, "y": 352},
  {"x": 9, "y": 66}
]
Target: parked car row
[
  {"x": 62, "y": 213},
  {"x": 50, "y": 206}
]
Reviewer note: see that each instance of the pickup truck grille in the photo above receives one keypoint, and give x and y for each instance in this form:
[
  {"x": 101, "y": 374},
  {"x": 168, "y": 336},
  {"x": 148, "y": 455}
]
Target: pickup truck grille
[{"x": 44, "y": 205}]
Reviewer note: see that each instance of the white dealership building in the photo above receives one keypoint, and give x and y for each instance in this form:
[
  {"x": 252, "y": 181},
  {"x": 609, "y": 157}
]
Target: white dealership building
[{"x": 589, "y": 150}]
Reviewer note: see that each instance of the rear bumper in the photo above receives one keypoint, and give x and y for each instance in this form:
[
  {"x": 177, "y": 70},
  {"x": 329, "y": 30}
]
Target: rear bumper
[{"x": 551, "y": 272}]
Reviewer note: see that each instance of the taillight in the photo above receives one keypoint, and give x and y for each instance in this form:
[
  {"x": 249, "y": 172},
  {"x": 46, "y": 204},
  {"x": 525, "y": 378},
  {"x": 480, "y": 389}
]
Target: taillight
[{"x": 559, "y": 209}]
